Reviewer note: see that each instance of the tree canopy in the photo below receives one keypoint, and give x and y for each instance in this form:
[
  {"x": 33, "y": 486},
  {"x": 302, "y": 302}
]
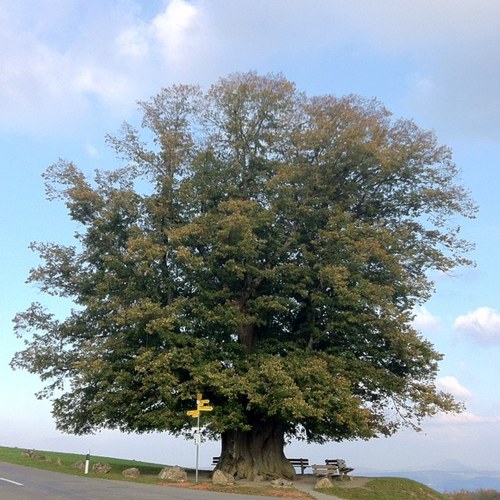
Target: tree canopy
[{"x": 260, "y": 246}]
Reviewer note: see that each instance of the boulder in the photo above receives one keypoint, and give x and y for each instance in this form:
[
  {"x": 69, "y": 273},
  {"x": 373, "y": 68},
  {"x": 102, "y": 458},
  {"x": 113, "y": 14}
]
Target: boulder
[
  {"x": 173, "y": 474},
  {"x": 79, "y": 465},
  {"x": 281, "y": 483},
  {"x": 100, "y": 468},
  {"x": 323, "y": 482},
  {"x": 222, "y": 478},
  {"x": 343, "y": 477},
  {"x": 31, "y": 454},
  {"x": 132, "y": 472}
]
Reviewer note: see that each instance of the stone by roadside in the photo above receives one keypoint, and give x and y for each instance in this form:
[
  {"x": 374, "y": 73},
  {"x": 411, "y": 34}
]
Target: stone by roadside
[{"x": 302, "y": 486}]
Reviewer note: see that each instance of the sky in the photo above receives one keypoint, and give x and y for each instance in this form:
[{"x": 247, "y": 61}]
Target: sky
[{"x": 73, "y": 70}]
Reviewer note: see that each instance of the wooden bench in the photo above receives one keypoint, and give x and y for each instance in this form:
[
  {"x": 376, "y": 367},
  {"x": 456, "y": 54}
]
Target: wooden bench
[
  {"x": 299, "y": 462},
  {"x": 340, "y": 464},
  {"x": 332, "y": 467},
  {"x": 296, "y": 462}
]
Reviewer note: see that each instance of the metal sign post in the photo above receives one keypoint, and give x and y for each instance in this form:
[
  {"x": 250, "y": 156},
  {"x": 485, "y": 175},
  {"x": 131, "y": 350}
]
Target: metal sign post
[{"x": 201, "y": 405}]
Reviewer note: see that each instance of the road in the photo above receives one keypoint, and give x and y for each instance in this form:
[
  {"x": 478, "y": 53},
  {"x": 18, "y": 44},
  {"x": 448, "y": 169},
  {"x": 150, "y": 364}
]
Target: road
[{"x": 25, "y": 483}]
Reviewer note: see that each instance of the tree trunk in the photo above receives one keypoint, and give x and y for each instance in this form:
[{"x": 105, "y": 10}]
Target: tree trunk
[{"x": 259, "y": 452}]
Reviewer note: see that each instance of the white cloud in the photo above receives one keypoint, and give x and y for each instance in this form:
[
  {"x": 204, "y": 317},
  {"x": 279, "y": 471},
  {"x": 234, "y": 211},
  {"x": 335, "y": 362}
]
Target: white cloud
[
  {"x": 452, "y": 385},
  {"x": 465, "y": 417},
  {"x": 51, "y": 72},
  {"x": 133, "y": 42},
  {"x": 483, "y": 325},
  {"x": 105, "y": 84},
  {"x": 424, "y": 320},
  {"x": 55, "y": 73},
  {"x": 398, "y": 26},
  {"x": 174, "y": 28},
  {"x": 448, "y": 49},
  {"x": 58, "y": 59}
]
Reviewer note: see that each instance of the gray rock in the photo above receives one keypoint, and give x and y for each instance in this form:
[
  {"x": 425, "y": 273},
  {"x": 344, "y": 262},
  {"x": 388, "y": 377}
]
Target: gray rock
[
  {"x": 281, "y": 483},
  {"x": 343, "y": 477},
  {"x": 222, "y": 478},
  {"x": 79, "y": 465},
  {"x": 323, "y": 482},
  {"x": 173, "y": 474},
  {"x": 132, "y": 472},
  {"x": 100, "y": 468},
  {"x": 32, "y": 455}
]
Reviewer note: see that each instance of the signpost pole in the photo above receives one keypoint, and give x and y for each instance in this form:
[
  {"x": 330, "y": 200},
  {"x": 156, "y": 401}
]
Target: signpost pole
[
  {"x": 198, "y": 438},
  {"x": 201, "y": 405}
]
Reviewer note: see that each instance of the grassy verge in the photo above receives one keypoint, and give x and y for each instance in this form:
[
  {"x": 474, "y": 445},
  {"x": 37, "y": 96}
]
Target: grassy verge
[
  {"x": 386, "y": 488},
  {"x": 65, "y": 463}
]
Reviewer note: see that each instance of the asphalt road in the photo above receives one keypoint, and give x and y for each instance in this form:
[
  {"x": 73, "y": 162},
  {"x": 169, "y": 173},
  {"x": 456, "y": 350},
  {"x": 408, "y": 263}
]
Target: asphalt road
[{"x": 25, "y": 483}]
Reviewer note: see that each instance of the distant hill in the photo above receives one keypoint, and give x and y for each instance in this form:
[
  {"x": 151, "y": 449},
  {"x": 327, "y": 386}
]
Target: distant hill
[
  {"x": 446, "y": 476},
  {"x": 445, "y": 466}
]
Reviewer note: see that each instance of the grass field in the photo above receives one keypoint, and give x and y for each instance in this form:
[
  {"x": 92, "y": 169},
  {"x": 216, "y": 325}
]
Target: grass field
[
  {"x": 387, "y": 488},
  {"x": 64, "y": 462}
]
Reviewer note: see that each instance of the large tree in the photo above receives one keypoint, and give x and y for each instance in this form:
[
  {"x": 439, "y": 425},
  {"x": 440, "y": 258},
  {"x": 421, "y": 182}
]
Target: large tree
[{"x": 262, "y": 247}]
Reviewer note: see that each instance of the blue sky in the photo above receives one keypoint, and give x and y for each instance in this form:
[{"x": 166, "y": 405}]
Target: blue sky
[{"x": 72, "y": 71}]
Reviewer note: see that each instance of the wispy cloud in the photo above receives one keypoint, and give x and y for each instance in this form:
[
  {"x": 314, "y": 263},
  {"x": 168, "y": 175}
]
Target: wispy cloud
[
  {"x": 465, "y": 418},
  {"x": 425, "y": 321},
  {"x": 52, "y": 72},
  {"x": 452, "y": 385},
  {"x": 173, "y": 28},
  {"x": 57, "y": 60},
  {"x": 133, "y": 42},
  {"x": 483, "y": 325}
]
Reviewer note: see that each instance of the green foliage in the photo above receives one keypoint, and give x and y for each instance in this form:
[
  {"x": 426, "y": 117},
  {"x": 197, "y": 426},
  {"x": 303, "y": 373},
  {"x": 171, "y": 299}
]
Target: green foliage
[{"x": 266, "y": 249}]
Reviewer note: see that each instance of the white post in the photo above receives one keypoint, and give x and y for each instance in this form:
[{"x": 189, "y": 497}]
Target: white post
[
  {"x": 87, "y": 462},
  {"x": 198, "y": 439}
]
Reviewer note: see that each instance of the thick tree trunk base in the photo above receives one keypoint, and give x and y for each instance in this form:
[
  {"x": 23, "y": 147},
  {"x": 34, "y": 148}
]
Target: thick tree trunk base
[{"x": 254, "y": 454}]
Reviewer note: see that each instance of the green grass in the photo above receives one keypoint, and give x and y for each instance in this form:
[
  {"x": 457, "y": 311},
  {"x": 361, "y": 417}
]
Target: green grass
[
  {"x": 373, "y": 489},
  {"x": 52, "y": 459},
  {"x": 386, "y": 488},
  {"x": 149, "y": 471}
]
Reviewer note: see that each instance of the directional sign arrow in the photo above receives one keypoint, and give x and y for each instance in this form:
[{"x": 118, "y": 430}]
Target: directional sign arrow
[
  {"x": 202, "y": 402},
  {"x": 193, "y": 413},
  {"x": 205, "y": 408}
]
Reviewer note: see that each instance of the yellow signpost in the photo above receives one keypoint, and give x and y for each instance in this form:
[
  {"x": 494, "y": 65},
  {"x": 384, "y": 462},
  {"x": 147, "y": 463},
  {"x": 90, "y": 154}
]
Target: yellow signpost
[{"x": 201, "y": 405}]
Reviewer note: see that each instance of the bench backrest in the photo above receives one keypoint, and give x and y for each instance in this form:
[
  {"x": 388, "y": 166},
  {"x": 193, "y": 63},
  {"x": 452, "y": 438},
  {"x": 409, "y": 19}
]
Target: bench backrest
[
  {"x": 298, "y": 461},
  {"x": 339, "y": 462}
]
